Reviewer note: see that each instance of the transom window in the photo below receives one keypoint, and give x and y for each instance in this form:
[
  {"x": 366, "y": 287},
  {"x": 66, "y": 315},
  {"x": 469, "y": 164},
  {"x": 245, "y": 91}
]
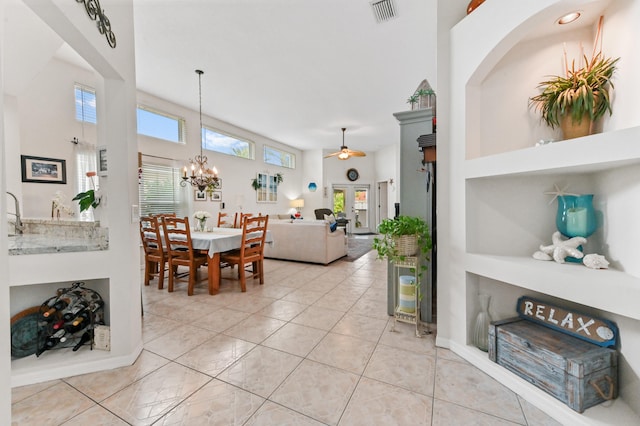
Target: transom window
[
  {"x": 85, "y": 104},
  {"x": 226, "y": 144},
  {"x": 161, "y": 125},
  {"x": 278, "y": 157}
]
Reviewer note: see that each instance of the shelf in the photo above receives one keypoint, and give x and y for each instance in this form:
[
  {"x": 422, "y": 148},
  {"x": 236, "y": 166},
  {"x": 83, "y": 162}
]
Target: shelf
[
  {"x": 606, "y": 289},
  {"x": 589, "y": 154},
  {"x": 616, "y": 411},
  {"x": 57, "y": 267}
]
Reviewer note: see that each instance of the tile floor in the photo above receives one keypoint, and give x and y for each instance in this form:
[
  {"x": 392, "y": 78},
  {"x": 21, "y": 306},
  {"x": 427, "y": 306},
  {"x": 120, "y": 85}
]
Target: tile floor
[{"x": 312, "y": 346}]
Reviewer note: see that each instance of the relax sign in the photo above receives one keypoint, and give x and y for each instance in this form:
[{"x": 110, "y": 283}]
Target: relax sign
[{"x": 586, "y": 327}]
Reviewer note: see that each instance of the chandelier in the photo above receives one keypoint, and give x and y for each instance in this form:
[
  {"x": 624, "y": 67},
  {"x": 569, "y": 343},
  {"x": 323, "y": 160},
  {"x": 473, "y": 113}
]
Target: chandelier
[{"x": 201, "y": 176}]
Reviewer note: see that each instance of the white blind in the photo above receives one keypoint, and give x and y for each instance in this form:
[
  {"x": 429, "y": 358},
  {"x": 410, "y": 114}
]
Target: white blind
[
  {"x": 85, "y": 162},
  {"x": 160, "y": 191}
]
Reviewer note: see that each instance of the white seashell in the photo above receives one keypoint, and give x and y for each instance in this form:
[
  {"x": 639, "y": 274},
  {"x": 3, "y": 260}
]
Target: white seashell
[
  {"x": 595, "y": 261},
  {"x": 541, "y": 256}
]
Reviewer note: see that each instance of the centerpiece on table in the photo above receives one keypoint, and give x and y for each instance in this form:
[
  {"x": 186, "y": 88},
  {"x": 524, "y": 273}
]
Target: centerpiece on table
[{"x": 201, "y": 216}]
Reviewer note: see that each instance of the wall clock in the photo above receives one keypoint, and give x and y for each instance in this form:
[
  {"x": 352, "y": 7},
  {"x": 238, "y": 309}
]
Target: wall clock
[{"x": 352, "y": 175}]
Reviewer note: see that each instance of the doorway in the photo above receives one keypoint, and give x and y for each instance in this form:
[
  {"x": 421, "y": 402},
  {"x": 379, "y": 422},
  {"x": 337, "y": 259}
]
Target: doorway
[{"x": 353, "y": 202}]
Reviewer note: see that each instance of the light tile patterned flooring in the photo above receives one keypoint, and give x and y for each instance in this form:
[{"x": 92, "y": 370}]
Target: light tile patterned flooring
[{"x": 312, "y": 346}]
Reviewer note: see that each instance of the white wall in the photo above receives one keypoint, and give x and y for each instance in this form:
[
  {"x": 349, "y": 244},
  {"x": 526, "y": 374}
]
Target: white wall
[
  {"x": 387, "y": 171},
  {"x": 236, "y": 173},
  {"x": 46, "y": 114}
]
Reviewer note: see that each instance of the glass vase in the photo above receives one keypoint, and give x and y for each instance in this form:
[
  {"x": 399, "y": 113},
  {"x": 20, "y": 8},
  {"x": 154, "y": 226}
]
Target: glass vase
[
  {"x": 576, "y": 216},
  {"x": 480, "y": 338},
  {"x": 202, "y": 223}
]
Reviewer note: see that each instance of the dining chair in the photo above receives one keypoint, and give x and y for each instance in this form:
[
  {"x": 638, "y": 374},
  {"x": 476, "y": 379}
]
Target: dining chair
[
  {"x": 177, "y": 237},
  {"x": 240, "y": 219},
  {"x": 254, "y": 232},
  {"x": 224, "y": 220},
  {"x": 155, "y": 257}
]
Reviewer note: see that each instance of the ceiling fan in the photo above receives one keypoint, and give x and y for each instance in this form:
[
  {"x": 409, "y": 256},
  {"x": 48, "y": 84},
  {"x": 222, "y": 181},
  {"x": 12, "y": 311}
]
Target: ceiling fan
[{"x": 346, "y": 153}]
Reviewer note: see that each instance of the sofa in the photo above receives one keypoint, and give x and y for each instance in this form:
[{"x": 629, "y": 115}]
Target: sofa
[{"x": 305, "y": 241}]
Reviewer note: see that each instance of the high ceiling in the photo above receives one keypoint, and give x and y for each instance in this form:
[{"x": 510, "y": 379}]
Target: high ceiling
[{"x": 295, "y": 71}]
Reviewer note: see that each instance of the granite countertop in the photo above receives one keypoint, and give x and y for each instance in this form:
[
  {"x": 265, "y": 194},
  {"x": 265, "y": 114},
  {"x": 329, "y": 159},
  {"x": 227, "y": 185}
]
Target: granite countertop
[{"x": 39, "y": 243}]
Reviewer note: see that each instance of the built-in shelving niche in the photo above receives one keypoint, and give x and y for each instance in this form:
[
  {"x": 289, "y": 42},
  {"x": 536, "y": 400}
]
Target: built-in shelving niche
[{"x": 51, "y": 362}]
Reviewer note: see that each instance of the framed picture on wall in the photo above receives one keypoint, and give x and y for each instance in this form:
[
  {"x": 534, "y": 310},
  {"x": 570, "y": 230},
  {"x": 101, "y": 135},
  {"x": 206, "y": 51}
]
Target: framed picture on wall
[
  {"x": 216, "y": 196},
  {"x": 43, "y": 170},
  {"x": 101, "y": 156},
  {"x": 199, "y": 195}
]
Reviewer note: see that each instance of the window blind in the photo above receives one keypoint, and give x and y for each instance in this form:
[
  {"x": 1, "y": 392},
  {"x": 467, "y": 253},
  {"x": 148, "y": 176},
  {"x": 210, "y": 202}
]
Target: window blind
[{"x": 160, "y": 190}]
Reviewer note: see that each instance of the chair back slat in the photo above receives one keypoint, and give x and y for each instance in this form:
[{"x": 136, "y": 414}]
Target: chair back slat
[
  {"x": 224, "y": 220},
  {"x": 254, "y": 232},
  {"x": 150, "y": 235},
  {"x": 177, "y": 237}
]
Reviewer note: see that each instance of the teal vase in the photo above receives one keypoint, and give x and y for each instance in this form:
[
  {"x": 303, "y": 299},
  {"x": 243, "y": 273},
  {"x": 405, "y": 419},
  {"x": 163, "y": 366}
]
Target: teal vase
[{"x": 576, "y": 216}]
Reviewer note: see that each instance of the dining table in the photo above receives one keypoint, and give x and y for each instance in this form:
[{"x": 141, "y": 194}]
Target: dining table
[{"x": 214, "y": 242}]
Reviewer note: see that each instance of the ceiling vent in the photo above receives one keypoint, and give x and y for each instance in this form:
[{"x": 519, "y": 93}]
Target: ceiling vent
[{"x": 383, "y": 10}]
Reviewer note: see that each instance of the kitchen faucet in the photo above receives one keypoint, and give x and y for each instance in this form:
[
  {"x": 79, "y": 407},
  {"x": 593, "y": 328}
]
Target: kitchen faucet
[{"x": 18, "y": 225}]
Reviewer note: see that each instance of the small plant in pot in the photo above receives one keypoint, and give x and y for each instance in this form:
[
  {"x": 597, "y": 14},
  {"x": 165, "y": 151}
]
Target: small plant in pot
[
  {"x": 401, "y": 237},
  {"x": 580, "y": 97}
]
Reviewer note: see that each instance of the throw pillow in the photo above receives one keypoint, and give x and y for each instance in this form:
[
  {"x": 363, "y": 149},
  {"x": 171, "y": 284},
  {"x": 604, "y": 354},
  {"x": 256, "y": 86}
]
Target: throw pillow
[
  {"x": 333, "y": 226},
  {"x": 330, "y": 218}
]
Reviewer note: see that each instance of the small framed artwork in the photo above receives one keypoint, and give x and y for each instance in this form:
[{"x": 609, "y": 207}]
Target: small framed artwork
[
  {"x": 43, "y": 170},
  {"x": 101, "y": 155},
  {"x": 216, "y": 196},
  {"x": 199, "y": 195}
]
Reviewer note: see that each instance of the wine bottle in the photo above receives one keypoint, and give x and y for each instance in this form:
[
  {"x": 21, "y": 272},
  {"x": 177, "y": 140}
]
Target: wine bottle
[
  {"x": 82, "y": 320},
  {"x": 59, "y": 305},
  {"x": 84, "y": 339},
  {"x": 73, "y": 311},
  {"x": 58, "y": 325},
  {"x": 52, "y": 341}
]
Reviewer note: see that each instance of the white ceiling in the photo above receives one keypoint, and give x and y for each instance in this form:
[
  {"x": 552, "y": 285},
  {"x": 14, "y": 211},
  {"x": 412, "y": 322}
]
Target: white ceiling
[{"x": 295, "y": 71}]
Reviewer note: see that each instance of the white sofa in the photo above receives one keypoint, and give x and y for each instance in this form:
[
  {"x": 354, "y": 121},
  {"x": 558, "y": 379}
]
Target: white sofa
[{"x": 305, "y": 241}]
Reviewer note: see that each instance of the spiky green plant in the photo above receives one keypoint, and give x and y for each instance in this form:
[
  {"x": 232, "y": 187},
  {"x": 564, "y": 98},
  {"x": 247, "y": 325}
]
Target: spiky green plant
[{"x": 584, "y": 92}]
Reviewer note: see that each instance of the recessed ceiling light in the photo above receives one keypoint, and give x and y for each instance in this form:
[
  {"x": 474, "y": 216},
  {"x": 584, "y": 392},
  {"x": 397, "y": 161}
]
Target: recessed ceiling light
[{"x": 568, "y": 18}]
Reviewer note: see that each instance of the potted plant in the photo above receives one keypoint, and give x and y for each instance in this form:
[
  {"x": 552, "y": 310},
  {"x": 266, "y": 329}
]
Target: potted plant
[
  {"x": 401, "y": 237},
  {"x": 580, "y": 97},
  {"x": 90, "y": 198}
]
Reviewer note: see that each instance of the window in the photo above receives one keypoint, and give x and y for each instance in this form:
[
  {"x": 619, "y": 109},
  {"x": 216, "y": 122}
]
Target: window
[
  {"x": 278, "y": 157},
  {"x": 225, "y": 144},
  {"x": 85, "y": 162},
  {"x": 160, "y": 125},
  {"x": 85, "y": 104},
  {"x": 160, "y": 191}
]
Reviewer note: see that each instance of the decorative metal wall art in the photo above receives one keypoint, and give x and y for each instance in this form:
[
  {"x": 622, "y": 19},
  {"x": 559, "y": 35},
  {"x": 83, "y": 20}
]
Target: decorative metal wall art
[{"x": 96, "y": 13}]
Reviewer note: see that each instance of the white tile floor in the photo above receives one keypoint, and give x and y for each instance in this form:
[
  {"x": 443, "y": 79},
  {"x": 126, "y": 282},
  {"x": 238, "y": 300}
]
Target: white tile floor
[{"x": 312, "y": 346}]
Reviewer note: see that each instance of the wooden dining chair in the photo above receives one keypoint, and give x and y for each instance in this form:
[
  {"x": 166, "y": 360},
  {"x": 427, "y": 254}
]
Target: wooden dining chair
[
  {"x": 177, "y": 237},
  {"x": 155, "y": 257},
  {"x": 224, "y": 220},
  {"x": 240, "y": 219},
  {"x": 254, "y": 232}
]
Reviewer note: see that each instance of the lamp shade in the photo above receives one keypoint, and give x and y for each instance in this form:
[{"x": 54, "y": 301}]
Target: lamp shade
[
  {"x": 297, "y": 203},
  {"x": 312, "y": 187}
]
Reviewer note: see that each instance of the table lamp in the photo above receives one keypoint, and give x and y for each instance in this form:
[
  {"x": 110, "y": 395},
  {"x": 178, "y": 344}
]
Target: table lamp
[{"x": 297, "y": 204}]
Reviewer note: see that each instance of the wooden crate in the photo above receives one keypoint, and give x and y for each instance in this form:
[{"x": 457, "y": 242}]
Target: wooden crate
[{"x": 576, "y": 372}]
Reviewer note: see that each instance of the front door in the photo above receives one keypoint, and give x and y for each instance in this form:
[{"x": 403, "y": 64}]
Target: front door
[{"x": 352, "y": 201}]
